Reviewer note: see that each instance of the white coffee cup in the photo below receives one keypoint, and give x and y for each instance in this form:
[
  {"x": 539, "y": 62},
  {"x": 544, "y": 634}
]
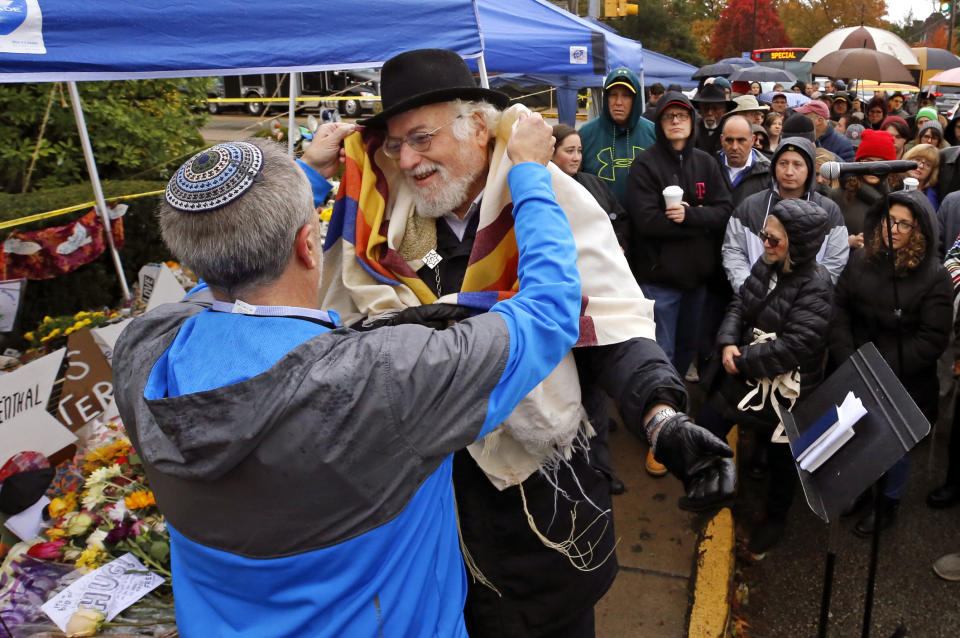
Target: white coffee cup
[{"x": 672, "y": 195}]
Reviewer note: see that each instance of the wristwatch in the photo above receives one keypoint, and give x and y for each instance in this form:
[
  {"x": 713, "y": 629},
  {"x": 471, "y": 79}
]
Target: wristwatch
[{"x": 653, "y": 425}]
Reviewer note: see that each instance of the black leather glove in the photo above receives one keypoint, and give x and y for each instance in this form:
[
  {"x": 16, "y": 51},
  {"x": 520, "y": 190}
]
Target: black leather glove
[
  {"x": 436, "y": 315},
  {"x": 699, "y": 459}
]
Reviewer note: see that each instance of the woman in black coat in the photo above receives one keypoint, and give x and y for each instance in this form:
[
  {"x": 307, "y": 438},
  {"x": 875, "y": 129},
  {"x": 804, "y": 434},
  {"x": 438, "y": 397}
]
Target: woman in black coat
[
  {"x": 788, "y": 294},
  {"x": 865, "y": 311}
]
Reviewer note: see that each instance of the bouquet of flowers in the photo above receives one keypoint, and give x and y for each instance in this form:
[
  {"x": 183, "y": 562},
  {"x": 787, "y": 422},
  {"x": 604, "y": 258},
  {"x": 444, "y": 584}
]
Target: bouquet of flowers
[{"x": 103, "y": 509}]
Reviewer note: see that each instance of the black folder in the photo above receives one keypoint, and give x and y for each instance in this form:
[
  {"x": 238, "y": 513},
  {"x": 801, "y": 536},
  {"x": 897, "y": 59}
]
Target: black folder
[{"x": 891, "y": 427}]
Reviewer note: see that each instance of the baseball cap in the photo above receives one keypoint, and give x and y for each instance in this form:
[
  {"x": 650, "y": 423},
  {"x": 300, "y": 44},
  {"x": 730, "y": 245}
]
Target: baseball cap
[{"x": 814, "y": 106}]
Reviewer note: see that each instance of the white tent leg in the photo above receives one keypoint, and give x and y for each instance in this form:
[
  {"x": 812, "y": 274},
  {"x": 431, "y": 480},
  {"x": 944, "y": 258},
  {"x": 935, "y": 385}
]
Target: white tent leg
[
  {"x": 643, "y": 94},
  {"x": 482, "y": 67},
  {"x": 292, "y": 110},
  {"x": 95, "y": 182}
]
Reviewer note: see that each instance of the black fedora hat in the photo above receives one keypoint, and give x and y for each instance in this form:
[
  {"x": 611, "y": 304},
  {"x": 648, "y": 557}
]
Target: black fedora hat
[
  {"x": 713, "y": 94},
  {"x": 427, "y": 76}
]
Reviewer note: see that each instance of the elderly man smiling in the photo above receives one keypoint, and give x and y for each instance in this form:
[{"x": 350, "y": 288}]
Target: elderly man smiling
[{"x": 405, "y": 246}]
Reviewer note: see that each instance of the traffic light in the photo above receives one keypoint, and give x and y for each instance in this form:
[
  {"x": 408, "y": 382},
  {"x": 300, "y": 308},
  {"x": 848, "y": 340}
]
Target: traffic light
[
  {"x": 619, "y": 8},
  {"x": 627, "y": 8},
  {"x": 945, "y": 6}
]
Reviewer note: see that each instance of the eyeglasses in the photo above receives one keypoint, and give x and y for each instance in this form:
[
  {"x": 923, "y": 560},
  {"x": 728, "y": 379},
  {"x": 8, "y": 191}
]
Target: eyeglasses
[
  {"x": 419, "y": 142},
  {"x": 922, "y": 163},
  {"x": 902, "y": 227},
  {"x": 767, "y": 239},
  {"x": 680, "y": 116}
]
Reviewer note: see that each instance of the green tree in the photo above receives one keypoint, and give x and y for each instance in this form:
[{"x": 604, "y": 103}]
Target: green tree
[
  {"x": 665, "y": 27},
  {"x": 138, "y": 128}
]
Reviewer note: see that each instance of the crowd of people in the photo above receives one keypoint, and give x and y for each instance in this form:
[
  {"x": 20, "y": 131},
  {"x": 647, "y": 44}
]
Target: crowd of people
[
  {"x": 485, "y": 284},
  {"x": 762, "y": 258}
]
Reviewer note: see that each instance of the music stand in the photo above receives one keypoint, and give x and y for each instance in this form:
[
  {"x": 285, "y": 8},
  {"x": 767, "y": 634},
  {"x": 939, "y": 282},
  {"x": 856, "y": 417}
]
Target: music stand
[{"x": 892, "y": 426}]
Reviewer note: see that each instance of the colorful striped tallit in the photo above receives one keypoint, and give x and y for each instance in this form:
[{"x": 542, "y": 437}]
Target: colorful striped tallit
[{"x": 366, "y": 276}]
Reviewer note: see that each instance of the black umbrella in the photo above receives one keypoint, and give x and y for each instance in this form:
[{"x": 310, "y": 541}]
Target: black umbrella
[
  {"x": 721, "y": 69},
  {"x": 762, "y": 74}
]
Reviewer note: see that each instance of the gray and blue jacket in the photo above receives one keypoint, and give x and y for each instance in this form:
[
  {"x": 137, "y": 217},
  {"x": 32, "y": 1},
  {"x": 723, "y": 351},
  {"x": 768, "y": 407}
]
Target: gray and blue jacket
[{"x": 305, "y": 470}]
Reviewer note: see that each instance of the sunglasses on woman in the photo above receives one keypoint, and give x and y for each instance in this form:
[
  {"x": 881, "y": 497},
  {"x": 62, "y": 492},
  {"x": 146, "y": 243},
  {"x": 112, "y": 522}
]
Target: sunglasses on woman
[{"x": 764, "y": 237}]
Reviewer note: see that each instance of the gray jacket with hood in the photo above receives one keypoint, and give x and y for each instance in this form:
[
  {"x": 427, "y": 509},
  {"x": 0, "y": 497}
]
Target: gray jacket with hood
[{"x": 741, "y": 245}]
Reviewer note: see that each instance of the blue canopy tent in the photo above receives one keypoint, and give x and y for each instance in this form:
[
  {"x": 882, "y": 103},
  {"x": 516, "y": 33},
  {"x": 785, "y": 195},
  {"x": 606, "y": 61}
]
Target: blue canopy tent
[
  {"x": 70, "y": 41},
  {"x": 536, "y": 42}
]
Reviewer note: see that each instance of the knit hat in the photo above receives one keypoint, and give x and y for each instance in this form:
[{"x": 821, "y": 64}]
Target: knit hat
[
  {"x": 890, "y": 119},
  {"x": 854, "y": 133},
  {"x": 724, "y": 82},
  {"x": 799, "y": 126},
  {"x": 934, "y": 124},
  {"x": 876, "y": 144},
  {"x": 928, "y": 112}
]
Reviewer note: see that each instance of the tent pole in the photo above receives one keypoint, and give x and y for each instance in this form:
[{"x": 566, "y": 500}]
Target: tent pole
[
  {"x": 482, "y": 66},
  {"x": 643, "y": 94},
  {"x": 292, "y": 110},
  {"x": 95, "y": 182}
]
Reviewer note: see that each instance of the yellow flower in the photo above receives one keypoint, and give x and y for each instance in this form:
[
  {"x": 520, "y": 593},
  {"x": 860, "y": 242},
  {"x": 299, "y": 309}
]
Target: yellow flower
[
  {"x": 69, "y": 331},
  {"x": 47, "y": 319},
  {"x": 140, "y": 499},
  {"x": 63, "y": 504},
  {"x": 105, "y": 455},
  {"x": 54, "y": 533},
  {"x": 92, "y": 557},
  {"x": 28, "y": 336},
  {"x": 84, "y": 622},
  {"x": 86, "y": 322},
  {"x": 81, "y": 314}
]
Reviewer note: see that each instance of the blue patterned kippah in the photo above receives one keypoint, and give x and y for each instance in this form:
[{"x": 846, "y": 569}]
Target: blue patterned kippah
[{"x": 215, "y": 177}]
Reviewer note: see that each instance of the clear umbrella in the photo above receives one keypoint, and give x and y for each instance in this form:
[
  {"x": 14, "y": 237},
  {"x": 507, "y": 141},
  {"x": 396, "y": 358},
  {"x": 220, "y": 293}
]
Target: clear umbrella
[{"x": 863, "y": 37}]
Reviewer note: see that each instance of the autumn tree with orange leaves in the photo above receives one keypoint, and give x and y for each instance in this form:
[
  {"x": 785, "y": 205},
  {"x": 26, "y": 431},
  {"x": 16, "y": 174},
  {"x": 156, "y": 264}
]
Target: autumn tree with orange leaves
[{"x": 737, "y": 31}]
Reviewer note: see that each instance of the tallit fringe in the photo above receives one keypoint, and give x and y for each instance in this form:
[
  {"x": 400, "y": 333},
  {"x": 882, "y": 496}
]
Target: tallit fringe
[
  {"x": 468, "y": 561},
  {"x": 582, "y": 560}
]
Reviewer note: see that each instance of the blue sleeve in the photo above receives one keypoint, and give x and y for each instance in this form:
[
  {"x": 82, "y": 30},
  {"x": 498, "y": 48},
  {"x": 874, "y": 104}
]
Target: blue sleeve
[
  {"x": 543, "y": 318},
  {"x": 320, "y": 186}
]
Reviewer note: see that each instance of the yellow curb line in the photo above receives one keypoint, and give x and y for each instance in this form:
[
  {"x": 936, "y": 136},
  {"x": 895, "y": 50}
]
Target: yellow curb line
[{"x": 710, "y": 611}]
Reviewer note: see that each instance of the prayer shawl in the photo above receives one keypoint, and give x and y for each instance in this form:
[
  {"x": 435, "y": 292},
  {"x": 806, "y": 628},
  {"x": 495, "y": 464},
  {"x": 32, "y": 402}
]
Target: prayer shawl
[{"x": 376, "y": 243}]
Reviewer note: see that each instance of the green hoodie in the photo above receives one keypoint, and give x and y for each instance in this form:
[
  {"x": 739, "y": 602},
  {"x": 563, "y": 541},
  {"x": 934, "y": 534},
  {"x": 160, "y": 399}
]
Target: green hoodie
[{"x": 608, "y": 150}]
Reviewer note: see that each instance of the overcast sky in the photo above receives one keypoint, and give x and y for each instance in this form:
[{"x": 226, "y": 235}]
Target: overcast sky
[{"x": 897, "y": 10}]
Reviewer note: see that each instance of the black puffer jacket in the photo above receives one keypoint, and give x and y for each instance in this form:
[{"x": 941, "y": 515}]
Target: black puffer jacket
[
  {"x": 865, "y": 306},
  {"x": 662, "y": 251},
  {"x": 798, "y": 309}
]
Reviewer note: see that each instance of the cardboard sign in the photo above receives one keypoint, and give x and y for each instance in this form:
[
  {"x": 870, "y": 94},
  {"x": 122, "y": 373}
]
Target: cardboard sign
[
  {"x": 109, "y": 589},
  {"x": 11, "y": 291},
  {"x": 158, "y": 286},
  {"x": 25, "y": 423},
  {"x": 87, "y": 384}
]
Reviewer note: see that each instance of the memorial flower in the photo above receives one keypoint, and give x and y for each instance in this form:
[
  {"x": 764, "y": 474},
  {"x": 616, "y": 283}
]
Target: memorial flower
[
  {"x": 62, "y": 504},
  {"x": 85, "y": 622},
  {"x": 79, "y": 524},
  {"x": 140, "y": 499},
  {"x": 51, "y": 550}
]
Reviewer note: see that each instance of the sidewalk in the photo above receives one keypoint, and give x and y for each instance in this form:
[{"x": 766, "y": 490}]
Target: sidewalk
[{"x": 658, "y": 551}]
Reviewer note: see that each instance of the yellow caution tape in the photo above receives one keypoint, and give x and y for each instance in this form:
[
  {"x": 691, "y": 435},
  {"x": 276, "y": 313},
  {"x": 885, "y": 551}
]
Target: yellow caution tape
[
  {"x": 314, "y": 98},
  {"x": 69, "y": 209}
]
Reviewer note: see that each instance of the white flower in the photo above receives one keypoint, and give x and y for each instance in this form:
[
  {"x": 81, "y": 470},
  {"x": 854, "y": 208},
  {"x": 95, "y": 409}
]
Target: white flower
[
  {"x": 84, "y": 622},
  {"x": 94, "y": 496},
  {"x": 96, "y": 539},
  {"x": 102, "y": 475},
  {"x": 116, "y": 512}
]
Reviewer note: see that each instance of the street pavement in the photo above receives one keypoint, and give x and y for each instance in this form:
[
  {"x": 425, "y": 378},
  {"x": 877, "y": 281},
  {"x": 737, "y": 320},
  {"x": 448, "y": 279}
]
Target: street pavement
[{"x": 784, "y": 588}]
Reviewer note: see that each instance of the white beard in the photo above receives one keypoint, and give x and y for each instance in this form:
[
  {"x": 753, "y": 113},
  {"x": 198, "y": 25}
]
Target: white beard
[{"x": 445, "y": 194}]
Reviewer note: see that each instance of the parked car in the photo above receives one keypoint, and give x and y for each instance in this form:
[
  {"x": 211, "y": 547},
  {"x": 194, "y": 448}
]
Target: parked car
[{"x": 360, "y": 86}]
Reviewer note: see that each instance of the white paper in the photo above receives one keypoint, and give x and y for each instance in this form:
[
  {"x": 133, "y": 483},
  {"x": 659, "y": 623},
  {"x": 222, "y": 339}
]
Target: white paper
[
  {"x": 106, "y": 337},
  {"x": 10, "y": 291},
  {"x": 25, "y": 424},
  {"x": 108, "y": 589},
  {"x": 848, "y": 413},
  {"x": 26, "y": 524}
]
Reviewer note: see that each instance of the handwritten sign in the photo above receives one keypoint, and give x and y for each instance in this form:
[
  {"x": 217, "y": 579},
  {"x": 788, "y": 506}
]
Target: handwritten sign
[
  {"x": 109, "y": 589},
  {"x": 25, "y": 423},
  {"x": 87, "y": 384},
  {"x": 158, "y": 286}
]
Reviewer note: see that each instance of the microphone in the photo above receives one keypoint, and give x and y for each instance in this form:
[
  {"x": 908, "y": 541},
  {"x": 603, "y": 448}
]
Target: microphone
[{"x": 833, "y": 170}]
